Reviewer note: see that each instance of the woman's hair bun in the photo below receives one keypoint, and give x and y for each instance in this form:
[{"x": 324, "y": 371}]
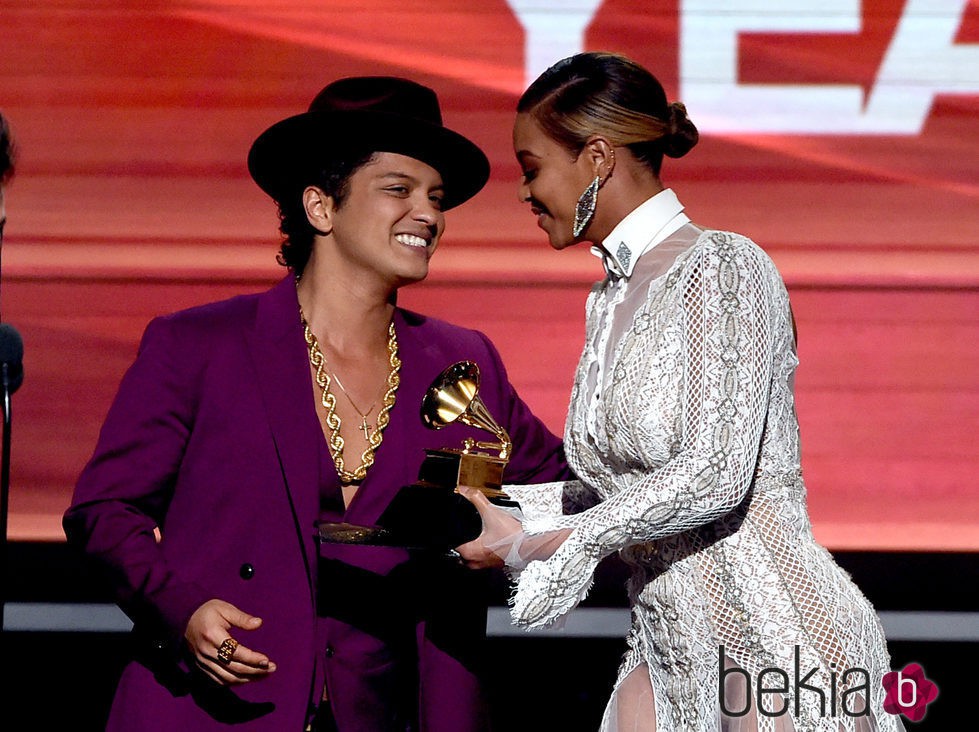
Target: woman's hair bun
[{"x": 681, "y": 134}]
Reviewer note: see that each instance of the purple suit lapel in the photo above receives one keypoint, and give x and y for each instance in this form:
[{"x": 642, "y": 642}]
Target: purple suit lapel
[{"x": 278, "y": 353}]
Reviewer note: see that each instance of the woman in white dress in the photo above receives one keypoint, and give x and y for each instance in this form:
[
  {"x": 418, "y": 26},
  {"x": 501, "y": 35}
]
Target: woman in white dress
[{"x": 682, "y": 430}]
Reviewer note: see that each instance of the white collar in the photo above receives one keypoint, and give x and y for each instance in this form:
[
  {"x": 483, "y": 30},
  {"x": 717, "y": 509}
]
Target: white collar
[{"x": 646, "y": 226}]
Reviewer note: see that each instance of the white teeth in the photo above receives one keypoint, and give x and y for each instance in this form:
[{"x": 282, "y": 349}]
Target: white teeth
[{"x": 411, "y": 240}]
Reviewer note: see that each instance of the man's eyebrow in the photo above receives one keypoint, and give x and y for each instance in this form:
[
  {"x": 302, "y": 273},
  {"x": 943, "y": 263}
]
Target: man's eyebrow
[{"x": 397, "y": 175}]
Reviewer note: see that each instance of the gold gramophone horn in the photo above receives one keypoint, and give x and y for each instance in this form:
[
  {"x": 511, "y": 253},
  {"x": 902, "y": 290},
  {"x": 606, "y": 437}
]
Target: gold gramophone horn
[{"x": 454, "y": 396}]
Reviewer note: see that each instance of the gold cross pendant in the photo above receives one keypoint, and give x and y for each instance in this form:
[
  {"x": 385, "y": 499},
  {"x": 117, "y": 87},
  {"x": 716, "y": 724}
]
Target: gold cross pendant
[{"x": 366, "y": 428}]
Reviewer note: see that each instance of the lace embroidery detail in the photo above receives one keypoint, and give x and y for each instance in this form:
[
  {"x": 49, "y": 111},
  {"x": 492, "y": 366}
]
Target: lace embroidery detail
[{"x": 685, "y": 439}]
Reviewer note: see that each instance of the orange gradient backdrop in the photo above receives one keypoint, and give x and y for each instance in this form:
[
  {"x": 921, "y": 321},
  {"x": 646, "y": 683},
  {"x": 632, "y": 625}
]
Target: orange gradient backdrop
[{"x": 132, "y": 199}]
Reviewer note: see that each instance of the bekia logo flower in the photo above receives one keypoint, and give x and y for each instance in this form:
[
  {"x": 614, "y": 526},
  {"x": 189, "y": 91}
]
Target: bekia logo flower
[{"x": 909, "y": 691}]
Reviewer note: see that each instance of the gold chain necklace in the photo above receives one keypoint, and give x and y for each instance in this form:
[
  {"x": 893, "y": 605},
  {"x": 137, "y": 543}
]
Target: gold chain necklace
[{"x": 329, "y": 401}]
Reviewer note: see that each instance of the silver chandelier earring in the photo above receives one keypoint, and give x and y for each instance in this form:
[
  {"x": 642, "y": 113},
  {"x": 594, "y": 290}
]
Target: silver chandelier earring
[{"x": 586, "y": 207}]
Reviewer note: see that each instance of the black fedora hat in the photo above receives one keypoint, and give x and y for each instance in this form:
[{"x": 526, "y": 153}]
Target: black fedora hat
[{"x": 362, "y": 114}]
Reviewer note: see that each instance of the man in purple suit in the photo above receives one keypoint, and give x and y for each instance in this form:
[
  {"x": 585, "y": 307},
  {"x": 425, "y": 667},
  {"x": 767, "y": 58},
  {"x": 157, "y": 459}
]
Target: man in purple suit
[{"x": 244, "y": 423}]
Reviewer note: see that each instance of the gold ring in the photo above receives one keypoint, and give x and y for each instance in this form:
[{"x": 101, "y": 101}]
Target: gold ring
[{"x": 226, "y": 650}]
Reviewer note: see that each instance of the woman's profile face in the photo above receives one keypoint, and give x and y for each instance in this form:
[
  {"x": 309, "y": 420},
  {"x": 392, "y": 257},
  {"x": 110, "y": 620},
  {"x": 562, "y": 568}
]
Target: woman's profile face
[{"x": 553, "y": 179}]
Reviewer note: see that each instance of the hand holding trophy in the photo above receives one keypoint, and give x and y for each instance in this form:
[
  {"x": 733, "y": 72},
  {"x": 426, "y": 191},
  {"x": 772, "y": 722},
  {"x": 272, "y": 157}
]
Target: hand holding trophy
[{"x": 430, "y": 513}]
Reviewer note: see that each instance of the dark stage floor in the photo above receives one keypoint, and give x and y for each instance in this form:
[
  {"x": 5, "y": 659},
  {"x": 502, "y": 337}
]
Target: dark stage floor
[{"x": 539, "y": 681}]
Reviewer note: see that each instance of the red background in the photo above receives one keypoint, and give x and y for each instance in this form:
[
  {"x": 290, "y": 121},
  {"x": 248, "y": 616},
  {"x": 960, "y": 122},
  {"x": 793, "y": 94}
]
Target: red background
[{"x": 132, "y": 199}]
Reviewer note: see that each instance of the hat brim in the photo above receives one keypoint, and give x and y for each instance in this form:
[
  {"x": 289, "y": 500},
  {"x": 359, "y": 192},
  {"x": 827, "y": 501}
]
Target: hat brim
[{"x": 284, "y": 158}]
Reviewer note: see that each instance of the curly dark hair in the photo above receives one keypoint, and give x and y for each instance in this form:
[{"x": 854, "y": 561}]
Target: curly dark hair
[
  {"x": 298, "y": 234},
  {"x": 607, "y": 93},
  {"x": 6, "y": 151}
]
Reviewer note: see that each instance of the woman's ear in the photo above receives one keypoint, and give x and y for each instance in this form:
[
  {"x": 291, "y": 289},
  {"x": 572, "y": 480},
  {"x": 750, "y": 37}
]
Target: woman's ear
[
  {"x": 600, "y": 154},
  {"x": 319, "y": 209}
]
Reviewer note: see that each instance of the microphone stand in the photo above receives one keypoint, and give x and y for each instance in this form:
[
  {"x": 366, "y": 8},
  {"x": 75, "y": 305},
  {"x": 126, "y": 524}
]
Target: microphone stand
[{"x": 4, "y": 490}]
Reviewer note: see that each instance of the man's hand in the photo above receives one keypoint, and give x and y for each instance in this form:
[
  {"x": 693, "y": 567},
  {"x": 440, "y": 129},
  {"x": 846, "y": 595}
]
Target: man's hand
[{"x": 217, "y": 652}]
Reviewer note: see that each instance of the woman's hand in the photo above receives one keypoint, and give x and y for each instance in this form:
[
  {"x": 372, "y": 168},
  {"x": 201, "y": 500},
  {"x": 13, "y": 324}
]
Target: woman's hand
[
  {"x": 500, "y": 530},
  {"x": 217, "y": 652}
]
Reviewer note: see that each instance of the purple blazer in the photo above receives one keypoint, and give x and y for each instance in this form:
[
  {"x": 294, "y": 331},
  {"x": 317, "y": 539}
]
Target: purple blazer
[{"x": 214, "y": 438}]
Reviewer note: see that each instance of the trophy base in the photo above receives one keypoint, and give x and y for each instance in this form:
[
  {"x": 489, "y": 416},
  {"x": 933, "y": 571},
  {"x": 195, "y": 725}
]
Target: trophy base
[
  {"x": 354, "y": 534},
  {"x": 422, "y": 516},
  {"x": 344, "y": 533},
  {"x": 451, "y": 468},
  {"x": 431, "y": 516}
]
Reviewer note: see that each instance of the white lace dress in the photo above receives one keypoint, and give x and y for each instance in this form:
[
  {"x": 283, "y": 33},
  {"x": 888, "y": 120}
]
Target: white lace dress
[{"x": 682, "y": 429}]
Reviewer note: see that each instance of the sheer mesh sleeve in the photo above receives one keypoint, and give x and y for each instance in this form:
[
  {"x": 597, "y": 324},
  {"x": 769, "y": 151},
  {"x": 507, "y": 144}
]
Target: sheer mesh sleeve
[
  {"x": 502, "y": 526},
  {"x": 724, "y": 305},
  {"x": 551, "y": 500}
]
